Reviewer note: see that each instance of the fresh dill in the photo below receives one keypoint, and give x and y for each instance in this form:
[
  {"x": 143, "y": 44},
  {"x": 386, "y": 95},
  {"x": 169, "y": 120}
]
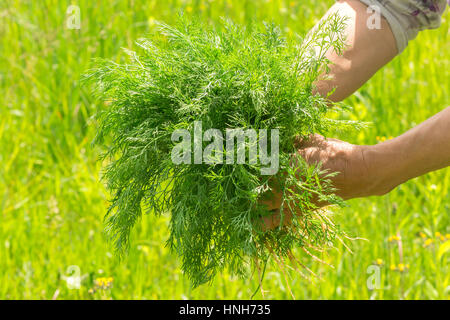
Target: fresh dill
[{"x": 229, "y": 77}]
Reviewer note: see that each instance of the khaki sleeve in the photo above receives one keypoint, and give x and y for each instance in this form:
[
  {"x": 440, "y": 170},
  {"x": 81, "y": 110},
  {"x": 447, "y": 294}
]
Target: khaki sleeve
[{"x": 407, "y": 17}]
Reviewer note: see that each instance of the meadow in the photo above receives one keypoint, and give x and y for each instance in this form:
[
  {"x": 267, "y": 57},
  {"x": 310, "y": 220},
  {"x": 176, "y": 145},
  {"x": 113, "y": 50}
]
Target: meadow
[{"x": 52, "y": 201}]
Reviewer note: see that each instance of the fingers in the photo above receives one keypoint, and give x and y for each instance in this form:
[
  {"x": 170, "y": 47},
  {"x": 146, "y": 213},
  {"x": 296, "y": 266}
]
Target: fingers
[
  {"x": 270, "y": 204},
  {"x": 313, "y": 149},
  {"x": 312, "y": 140},
  {"x": 276, "y": 219}
]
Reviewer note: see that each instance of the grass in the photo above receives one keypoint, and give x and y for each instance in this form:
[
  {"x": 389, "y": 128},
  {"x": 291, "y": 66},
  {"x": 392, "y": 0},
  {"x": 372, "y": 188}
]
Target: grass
[{"x": 52, "y": 202}]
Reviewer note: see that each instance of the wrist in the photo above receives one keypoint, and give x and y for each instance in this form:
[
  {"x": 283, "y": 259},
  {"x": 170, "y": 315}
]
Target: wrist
[
  {"x": 359, "y": 172},
  {"x": 385, "y": 168}
]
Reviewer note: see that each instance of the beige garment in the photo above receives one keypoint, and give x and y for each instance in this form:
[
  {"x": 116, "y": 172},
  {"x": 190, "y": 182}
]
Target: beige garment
[{"x": 408, "y": 17}]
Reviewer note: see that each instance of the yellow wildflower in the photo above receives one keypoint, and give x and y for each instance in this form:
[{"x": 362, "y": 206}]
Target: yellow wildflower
[{"x": 103, "y": 283}]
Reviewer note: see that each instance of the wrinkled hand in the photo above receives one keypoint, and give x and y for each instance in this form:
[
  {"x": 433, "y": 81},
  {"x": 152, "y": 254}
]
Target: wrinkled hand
[{"x": 336, "y": 156}]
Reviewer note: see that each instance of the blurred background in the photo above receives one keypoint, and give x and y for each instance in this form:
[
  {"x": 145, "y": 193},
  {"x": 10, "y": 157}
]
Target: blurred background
[{"x": 52, "y": 202}]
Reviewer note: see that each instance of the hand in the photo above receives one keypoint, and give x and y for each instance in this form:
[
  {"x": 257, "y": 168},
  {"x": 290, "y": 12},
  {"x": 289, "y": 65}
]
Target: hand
[{"x": 348, "y": 160}]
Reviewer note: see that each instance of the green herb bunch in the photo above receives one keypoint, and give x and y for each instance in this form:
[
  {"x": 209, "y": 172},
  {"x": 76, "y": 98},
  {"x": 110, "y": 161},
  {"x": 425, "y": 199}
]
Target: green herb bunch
[{"x": 228, "y": 77}]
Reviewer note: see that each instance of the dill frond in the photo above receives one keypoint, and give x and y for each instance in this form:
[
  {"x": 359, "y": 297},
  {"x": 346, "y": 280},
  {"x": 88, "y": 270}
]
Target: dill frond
[{"x": 231, "y": 77}]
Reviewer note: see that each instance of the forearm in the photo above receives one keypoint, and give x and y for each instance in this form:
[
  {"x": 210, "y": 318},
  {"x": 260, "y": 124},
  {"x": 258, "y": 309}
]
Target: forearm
[
  {"x": 422, "y": 149},
  {"x": 367, "y": 50}
]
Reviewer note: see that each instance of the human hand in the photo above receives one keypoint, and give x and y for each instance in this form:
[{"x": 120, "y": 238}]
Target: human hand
[{"x": 348, "y": 160}]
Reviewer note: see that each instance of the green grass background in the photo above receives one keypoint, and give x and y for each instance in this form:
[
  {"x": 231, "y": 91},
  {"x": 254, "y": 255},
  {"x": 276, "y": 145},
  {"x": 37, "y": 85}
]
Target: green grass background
[{"x": 52, "y": 202}]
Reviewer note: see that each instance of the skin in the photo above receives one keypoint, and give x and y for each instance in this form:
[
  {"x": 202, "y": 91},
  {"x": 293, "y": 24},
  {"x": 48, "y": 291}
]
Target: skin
[{"x": 368, "y": 170}]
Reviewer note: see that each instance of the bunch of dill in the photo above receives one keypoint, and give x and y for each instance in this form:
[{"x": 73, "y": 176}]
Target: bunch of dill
[{"x": 228, "y": 77}]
